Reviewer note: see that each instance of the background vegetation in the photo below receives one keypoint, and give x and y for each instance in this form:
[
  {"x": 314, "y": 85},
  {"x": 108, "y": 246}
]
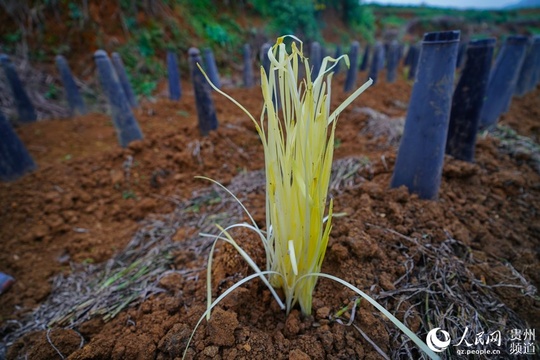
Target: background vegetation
[{"x": 142, "y": 30}]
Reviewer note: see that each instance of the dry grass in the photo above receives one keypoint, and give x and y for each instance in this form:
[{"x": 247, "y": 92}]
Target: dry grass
[
  {"x": 444, "y": 292},
  {"x": 517, "y": 146}
]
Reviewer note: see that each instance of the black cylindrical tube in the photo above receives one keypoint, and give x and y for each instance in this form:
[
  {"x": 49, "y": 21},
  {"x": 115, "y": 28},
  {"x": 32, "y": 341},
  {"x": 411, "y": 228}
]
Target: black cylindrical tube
[
  {"x": 74, "y": 98},
  {"x": 392, "y": 60},
  {"x": 535, "y": 78},
  {"x": 365, "y": 59},
  {"x": 247, "y": 72},
  {"x": 265, "y": 61},
  {"x": 315, "y": 58},
  {"x": 211, "y": 68},
  {"x": 124, "y": 80},
  {"x": 173, "y": 76},
  {"x": 413, "y": 63},
  {"x": 127, "y": 128},
  {"x": 206, "y": 111},
  {"x": 378, "y": 53},
  {"x": 15, "y": 161},
  {"x": 337, "y": 54},
  {"x": 468, "y": 99},
  {"x": 502, "y": 80},
  {"x": 527, "y": 72},
  {"x": 25, "y": 109},
  {"x": 407, "y": 58},
  {"x": 350, "y": 81},
  {"x": 462, "y": 53},
  {"x": 421, "y": 152}
]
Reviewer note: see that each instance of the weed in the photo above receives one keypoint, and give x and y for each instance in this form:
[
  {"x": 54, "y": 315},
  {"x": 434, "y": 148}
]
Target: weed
[
  {"x": 10, "y": 41},
  {"x": 129, "y": 194},
  {"x": 52, "y": 92}
]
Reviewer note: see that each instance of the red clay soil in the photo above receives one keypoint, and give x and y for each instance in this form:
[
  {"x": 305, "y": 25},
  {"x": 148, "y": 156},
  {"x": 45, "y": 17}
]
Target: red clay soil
[{"x": 82, "y": 205}]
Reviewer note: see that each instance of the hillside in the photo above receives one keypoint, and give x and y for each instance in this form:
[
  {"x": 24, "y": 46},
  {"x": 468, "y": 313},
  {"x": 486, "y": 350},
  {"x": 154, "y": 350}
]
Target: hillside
[{"x": 141, "y": 32}]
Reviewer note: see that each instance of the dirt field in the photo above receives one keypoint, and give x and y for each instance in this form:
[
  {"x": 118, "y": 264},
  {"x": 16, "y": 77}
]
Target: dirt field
[{"x": 469, "y": 259}]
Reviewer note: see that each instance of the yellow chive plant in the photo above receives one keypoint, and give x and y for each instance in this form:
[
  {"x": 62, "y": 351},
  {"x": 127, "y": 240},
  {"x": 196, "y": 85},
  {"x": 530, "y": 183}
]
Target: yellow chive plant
[
  {"x": 298, "y": 142},
  {"x": 298, "y": 145}
]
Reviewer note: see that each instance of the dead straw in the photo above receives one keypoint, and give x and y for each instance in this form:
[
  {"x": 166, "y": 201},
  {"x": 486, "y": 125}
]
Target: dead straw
[
  {"x": 446, "y": 293},
  {"x": 381, "y": 126},
  {"x": 517, "y": 146}
]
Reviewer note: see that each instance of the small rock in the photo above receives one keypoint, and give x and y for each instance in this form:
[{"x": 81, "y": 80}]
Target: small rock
[
  {"x": 70, "y": 216},
  {"x": 211, "y": 351},
  {"x": 298, "y": 354},
  {"x": 55, "y": 222},
  {"x": 64, "y": 258},
  {"x": 67, "y": 201},
  {"x": 84, "y": 196},
  {"x": 117, "y": 176},
  {"x": 51, "y": 196},
  {"x": 323, "y": 312},
  {"x": 147, "y": 204},
  {"x": 39, "y": 231},
  {"x": 136, "y": 146},
  {"x": 373, "y": 189},
  {"x": 91, "y": 208},
  {"x": 171, "y": 282}
]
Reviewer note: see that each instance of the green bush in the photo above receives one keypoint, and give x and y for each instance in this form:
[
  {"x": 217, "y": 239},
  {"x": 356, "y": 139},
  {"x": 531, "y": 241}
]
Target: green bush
[
  {"x": 139, "y": 56},
  {"x": 215, "y": 29},
  {"x": 393, "y": 21},
  {"x": 358, "y": 17},
  {"x": 364, "y": 23},
  {"x": 10, "y": 40},
  {"x": 298, "y": 17}
]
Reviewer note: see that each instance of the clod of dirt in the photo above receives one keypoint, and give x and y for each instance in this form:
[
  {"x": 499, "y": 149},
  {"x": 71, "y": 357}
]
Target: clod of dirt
[
  {"x": 221, "y": 327},
  {"x": 323, "y": 312},
  {"x": 298, "y": 354},
  {"x": 134, "y": 346},
  {"x": 293, "y": 323},
  {"x": 173, "y": 343},
  {"x": 46, "y": 345}
]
